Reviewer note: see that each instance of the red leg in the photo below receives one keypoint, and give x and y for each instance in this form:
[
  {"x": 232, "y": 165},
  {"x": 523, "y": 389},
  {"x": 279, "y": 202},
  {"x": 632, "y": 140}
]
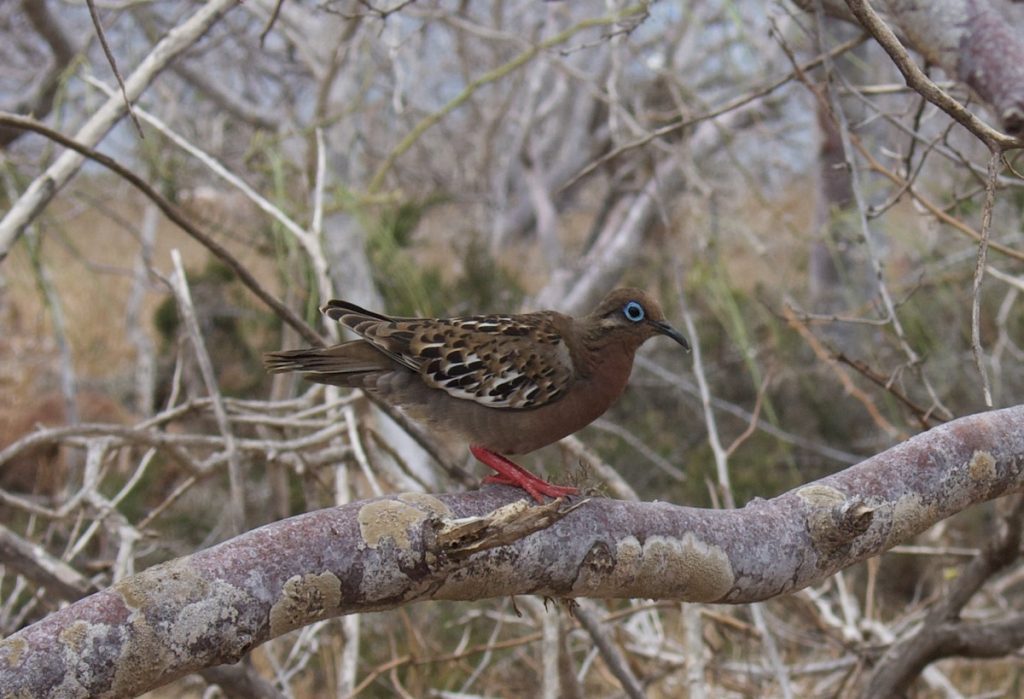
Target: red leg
[{"x": 511, "y": 473}]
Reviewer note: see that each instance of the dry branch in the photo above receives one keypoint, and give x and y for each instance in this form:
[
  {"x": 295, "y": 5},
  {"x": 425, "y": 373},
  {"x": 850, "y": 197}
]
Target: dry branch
[
  {"x": 974, "y": 44},
  {"x": 40, "y": 103},
  {"x": 216, "y": 605},
  {"x": 172, "y": 212},
  {"x": 975, "y": 41},
  {"x": 943, "y": 633},
  {"x": 38, "y": 194}
]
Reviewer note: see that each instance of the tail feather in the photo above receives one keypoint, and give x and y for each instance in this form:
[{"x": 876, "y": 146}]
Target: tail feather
[
  {"x": 346, "y": 364},
  {"x": 336, "y": 309}
]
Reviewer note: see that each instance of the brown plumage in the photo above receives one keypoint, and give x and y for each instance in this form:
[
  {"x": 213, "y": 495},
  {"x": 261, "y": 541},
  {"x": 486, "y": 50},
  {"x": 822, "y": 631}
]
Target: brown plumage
[{"x": 507, "y": 384}]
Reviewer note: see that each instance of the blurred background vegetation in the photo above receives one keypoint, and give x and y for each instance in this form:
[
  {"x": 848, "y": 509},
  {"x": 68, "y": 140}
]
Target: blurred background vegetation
[{"x": 503, "y": 156}]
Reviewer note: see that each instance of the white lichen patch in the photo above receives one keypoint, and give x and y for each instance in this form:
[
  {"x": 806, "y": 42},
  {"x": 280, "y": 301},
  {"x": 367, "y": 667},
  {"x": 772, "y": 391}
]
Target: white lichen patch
[
  {"x": 174, "y": 579},
  {"x": 220, "y": 603},
  {"x": 982, "y": 466},
  {"x": 76, "y": 635},
  {"x": 144, "y": 654},
  {"x": 427, "y": 503},
  {"x": 826, "y": 520},
  {"x": 146, "y": 649},
  {"x": 663, "y": 567},
  {"x": 389, "y": 519},
  {"x": 305, "y": 599},
  {"x": 821, "y": 496},
  {"x": 81, "y": 639},
  {"x": 909, "y": 516},
  {"x": 11, "y": 651}
]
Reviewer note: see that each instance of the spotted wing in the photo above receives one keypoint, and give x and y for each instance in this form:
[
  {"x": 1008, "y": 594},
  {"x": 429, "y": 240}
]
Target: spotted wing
[
  {"x": 512, "y": 362},
  {"x": 497, "y": 361}
]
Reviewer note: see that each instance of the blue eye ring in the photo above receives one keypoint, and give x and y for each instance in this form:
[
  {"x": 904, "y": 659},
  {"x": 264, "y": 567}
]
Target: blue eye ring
[{"x": 633, "y": 311}]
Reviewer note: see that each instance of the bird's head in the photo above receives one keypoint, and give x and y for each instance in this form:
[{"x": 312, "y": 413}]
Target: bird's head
[{"x": 631, "y": 316}]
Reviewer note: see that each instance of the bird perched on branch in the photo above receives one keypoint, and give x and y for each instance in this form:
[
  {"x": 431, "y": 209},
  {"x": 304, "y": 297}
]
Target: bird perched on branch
[{"x": 506, "y": 384}]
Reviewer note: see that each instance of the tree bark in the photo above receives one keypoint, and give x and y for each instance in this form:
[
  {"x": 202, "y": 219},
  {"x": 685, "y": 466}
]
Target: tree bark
[{"x": 216, "y": 605}]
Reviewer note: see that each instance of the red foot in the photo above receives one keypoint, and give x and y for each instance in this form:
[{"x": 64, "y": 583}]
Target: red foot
[{"x": 511, "y": 473}]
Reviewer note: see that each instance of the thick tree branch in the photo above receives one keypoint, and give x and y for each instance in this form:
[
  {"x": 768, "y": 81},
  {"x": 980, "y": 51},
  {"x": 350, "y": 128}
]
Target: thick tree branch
[
  {"x": 65, "y": 584},
  {"x": 216, "y": 605}
]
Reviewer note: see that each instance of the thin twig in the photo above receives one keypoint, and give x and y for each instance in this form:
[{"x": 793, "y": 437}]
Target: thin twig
[
  {"x": 235, "y": 476},
  {"x": 271, "y": 21},
  {"x": 979, "y": 275},
  {"x": 916, "y": 78},
  {"x": 640, "y": 446},
  {"x": 851, "y": 388},
  {"x": 52, "y": 303},
  {"x": 752, "y": 425},
  {"x": 113, "y": 64},
  {"x": 174, "y": 214},
  {"x": 490, "y": 76},
  {"x": 729, "y": 106},
  {"x": 923, "y": 416}
]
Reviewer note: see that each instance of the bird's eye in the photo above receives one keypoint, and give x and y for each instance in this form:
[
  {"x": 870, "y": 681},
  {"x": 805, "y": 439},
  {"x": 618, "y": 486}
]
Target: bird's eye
[{"x": 633, "y": 311}]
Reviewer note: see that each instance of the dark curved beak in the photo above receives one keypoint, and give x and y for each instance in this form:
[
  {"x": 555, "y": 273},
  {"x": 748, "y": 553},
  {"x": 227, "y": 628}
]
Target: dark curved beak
[{"x": 667, "y": 330}]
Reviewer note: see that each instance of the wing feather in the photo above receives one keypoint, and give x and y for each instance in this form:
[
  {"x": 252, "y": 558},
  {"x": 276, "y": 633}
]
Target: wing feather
[
  {"x": 500, "y": 361},
  {"x": 516, "y": 362}
]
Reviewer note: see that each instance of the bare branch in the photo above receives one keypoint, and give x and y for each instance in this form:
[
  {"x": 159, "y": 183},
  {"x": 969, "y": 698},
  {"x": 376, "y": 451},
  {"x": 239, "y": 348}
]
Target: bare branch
[
  {"x": 979, "y": 276},
  {"x": 188, "y": 313},
  {"x": 38, "y": 194},
  {"x": 917, "y": 79},
  {"x": 173, "y": 213},
  {"x": 611, "y": 653},
  {"x": 943, "y": 633},
  {"x": 95, "y": 15},
  {"x": 40, "y": 104},
  {"x": 33, "y": 561}
]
